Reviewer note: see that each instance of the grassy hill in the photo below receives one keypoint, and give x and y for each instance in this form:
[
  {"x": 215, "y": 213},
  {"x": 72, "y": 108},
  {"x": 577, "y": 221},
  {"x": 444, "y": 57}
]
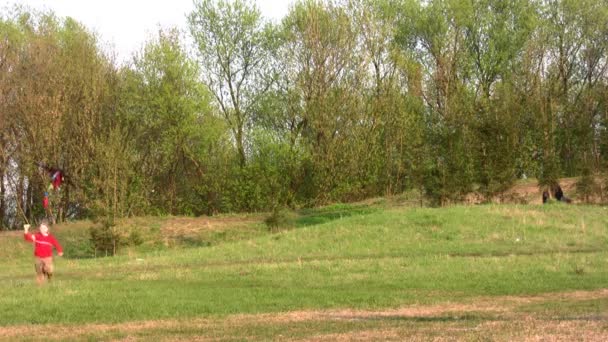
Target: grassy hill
[{"x": 367, "y": 271}]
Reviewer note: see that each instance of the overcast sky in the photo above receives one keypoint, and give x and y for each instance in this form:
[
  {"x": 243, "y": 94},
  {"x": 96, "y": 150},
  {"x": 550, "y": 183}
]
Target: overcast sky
[{"x": 125, "y": 25}]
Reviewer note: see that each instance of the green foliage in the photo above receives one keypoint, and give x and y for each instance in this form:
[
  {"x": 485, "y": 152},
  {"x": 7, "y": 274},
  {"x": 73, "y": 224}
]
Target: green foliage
[
  {"x": 105, "y": 238},
  {"x": 586, "y": 187},
  {"x": 135, "y": 238},
  {"x": 340, "y": 101},
  {"x": 266, "y": 181},
  {"x": 109, "y": 238},
  {"x": 164, "y": 103},
  {"x": 549, "y": 173},
  {"x": 76, "y": 241},
  {"x": 280, "y": 219},
  {"x": 234, "y": 48}
]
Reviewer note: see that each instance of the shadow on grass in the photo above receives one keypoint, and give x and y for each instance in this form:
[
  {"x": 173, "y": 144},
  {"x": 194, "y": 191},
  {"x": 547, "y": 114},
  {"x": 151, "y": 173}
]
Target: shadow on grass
[{"x": 313, "y": 217}]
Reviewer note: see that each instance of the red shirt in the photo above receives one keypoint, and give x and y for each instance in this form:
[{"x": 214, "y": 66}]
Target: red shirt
[{"x": 44, "y": 244}]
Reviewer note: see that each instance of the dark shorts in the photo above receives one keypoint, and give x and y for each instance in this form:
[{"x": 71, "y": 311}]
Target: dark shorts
[{"x": 44, "y": 265}]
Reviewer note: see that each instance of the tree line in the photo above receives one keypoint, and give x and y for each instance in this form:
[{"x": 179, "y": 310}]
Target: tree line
[{"x": 339, "y": 101}]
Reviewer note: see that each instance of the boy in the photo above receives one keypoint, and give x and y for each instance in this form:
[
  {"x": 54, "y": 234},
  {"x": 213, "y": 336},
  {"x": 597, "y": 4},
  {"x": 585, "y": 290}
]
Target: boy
[{"x": 43, "y": 250}]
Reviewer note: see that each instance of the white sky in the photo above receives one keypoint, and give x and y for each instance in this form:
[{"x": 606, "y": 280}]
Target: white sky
[{"x": 125, "y": 25}]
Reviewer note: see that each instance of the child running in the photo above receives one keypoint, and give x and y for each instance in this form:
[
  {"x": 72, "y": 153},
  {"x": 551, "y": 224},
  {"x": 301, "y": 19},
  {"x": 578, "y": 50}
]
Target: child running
[{"x": 43, "y": 250}]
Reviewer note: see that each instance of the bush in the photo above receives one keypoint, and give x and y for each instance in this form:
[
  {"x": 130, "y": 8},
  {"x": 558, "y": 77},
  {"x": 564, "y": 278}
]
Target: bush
[
  {"x": 105, "y": 238},
  {"x": 135, "y": 238},
  {"x": 280, "y": 219}
]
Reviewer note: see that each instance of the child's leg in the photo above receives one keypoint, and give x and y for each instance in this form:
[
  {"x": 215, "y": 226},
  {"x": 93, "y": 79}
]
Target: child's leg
[
  {"x": 48, "y": 267},
  {"x": 39, "y": 266}
]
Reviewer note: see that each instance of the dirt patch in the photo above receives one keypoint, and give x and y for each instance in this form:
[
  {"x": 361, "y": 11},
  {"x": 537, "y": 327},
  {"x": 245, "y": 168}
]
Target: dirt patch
[
  {"x": 522, "y": 329},
  {"x": 365, "y": 335},
  {"x": 523, "y": 193},
  {"x": 533, "y": 195},
  {"x": 538, "y": 329}
]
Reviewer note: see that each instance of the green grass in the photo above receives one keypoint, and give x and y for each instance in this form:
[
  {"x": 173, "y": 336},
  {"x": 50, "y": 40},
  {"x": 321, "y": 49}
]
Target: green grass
[{"x": 358, "y": 257}]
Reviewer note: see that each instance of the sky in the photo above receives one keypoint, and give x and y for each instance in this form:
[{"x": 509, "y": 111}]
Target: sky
[{"x": 125, "y": 25}]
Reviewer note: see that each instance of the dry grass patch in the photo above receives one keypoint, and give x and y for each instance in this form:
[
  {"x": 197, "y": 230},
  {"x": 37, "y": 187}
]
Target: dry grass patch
[
  {"x": 181, "y": 225},
  {"x": 483, "y": 318}
]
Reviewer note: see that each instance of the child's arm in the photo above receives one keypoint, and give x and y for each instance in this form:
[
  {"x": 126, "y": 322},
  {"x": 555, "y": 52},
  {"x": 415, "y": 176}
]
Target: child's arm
[
  {"x": 26, "y": 235},
  {"x": 57, "y": 246}
]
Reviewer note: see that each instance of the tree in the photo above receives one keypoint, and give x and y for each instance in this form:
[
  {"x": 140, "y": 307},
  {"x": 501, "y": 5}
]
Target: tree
[
  {"x": 232, "y": 46},
  {"x": 165, "y": 103},
  {"x": 495, "y": 34},
  {"x": 392, "y": 93},
  {"x": 56, "y": 95},
  {"x": 34, "y": 107},
  {"x": 438, "y": 41},
  {"x": 324, "y": 66}
]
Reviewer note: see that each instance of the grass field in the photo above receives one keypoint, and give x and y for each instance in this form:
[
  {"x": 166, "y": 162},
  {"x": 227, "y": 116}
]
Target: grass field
[{"x": 345, "y": 272}]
